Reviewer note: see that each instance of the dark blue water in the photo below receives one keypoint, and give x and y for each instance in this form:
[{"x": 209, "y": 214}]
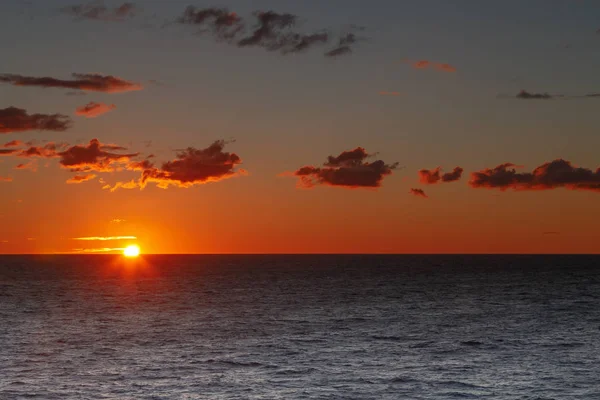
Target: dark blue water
[{"x": 300, "y": 327}]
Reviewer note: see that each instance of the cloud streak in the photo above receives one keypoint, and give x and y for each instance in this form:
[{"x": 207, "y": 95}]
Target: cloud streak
[
  {"x": 104, "y": 238},
  {"x": 85, "y": 82},
  {"x": 426, "y": 64}
]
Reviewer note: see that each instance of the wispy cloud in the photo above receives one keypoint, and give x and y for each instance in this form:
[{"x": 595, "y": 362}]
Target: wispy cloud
[
  {"x": 426, "y": 64},
  {"x": 93, "y": 109},
  {"x": 96, "y": 10},
  {"x": 81, "y": 178},
  {"x": 418, "y": 192},
  {"x": 87, "y": 82},
  {"x": 105, "y": 238},
  {"x": 271, "y": 31}
]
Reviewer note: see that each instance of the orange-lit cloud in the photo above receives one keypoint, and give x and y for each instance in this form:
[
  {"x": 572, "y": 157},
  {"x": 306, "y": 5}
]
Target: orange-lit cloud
[
  {"x": 87, "y": 82},
  {"x": 418, "y": 193},
  {"x": 91, "y": 158},
  {"x": 433, "y": 176},
  {"x": 14, "y": 119},
  {"x": 423, "y": 64},
  {"x": 98, "y": 11},
  {"x": 191, "y": 167},
  {"x": 13, "y": 143},
  {"x": 349, "y": 169},
  {"x": 49, "y": 150},
  {"x": 104, "y": 238},
  {"x": 81, "y": 178},
  {"x": 93, "y": 110},
  {"x": 550, "y": 175},
  {"x": 5, "y": 179},
  {"x": 31, "y": 166}
]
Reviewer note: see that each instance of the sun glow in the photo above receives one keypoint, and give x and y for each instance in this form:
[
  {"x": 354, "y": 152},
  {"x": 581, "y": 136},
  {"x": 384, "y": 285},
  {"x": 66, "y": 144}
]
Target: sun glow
[{"x": 131, "y": 251}]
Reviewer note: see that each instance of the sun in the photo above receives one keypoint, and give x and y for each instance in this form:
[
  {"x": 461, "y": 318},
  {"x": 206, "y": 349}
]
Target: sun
[{"x": 131, "y": 251}]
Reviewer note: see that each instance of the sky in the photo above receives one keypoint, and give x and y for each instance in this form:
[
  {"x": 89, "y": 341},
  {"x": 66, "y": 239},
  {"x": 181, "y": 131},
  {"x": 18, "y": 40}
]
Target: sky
[{"x": 300, "y": 127}]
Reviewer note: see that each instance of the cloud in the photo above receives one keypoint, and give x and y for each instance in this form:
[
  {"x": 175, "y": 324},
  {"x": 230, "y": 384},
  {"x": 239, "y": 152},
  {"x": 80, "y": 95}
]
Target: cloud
[
  {"x": 87, "y": 82},
  {"x": 31, "y": 166},
  {"x": 81, "y": 178},
  {"x": 271, "y": 31},
  {"x": 98, "y": 250},
  {"x": 349, "y": 169},
  {"x": 14, "y": 119},
  {"x": 433, "y": 176},
  {"x": 13, "y": 143},
  {"x": 96, "y": 10},
  {"x": 104, "y": 238},
  {"x": 5, "y": 179},
  {"x": 525, "y": 95},
  {"x": 219, "y": 21},
  {"x": 191, "y": 167},
  {"x": 344, "y": 44},
  {"x": 418, "y": 192},
  {"x": 550, "y": 175},
  {"x": 49, "y": 150},
  {"x": 93, "y": 110},
  {"x": 423, "y": 64},
  {"x": 8, "y": 152},
  {"x": 91, "y": 158}
]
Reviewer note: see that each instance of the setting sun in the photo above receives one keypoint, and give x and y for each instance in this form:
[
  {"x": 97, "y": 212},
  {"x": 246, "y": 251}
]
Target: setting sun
[{"x": 131, "y": 251}]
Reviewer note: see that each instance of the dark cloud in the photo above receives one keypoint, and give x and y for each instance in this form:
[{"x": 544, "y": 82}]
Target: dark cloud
[
  {"x": 191, "y": 167},
  {"x": 14, "y": 119},
  {"x": 525, "y": 95},
  {"x": 92, "y": 157},
  {"x": 87, "y": 82},
  {"x": 96, "y": 10},
  {"x": 550, "y": 175},
  {"x": 433, "y": 176},
  {"x": 349, "y": 169},
  {"x": 418, "y": 192},
  {"x": 271, "y": 31},
  {"x": 8, "y": 152},
  {"x": 344, "y": 44},
  {"x": 93, "y": 110},
  {"x": 222, "y": 23}
]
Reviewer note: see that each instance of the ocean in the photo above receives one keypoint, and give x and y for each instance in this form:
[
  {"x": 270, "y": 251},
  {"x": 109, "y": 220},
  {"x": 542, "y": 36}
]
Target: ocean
[{"x": 300, "y": 327}]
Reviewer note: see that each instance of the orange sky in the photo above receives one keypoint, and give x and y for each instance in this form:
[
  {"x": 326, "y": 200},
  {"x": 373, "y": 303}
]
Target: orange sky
[{"x": 113, "y": 125}]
